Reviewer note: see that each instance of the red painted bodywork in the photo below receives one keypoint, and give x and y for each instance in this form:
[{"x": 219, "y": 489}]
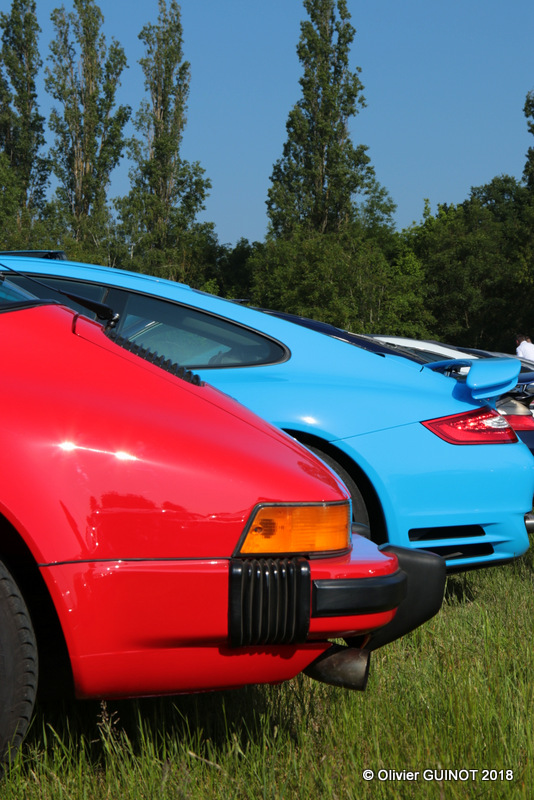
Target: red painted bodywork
[{"x": 131, "y": 488}]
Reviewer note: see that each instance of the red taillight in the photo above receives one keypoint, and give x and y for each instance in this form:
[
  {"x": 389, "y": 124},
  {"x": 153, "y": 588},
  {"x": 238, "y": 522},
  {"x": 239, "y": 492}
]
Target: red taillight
[
  {"x": 483, "y": 426},
  {"x": 521, "y": 422}
]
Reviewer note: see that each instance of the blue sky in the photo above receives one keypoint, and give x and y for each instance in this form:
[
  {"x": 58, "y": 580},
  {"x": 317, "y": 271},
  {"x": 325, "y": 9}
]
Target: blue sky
[{"x": 445, "y": 84}]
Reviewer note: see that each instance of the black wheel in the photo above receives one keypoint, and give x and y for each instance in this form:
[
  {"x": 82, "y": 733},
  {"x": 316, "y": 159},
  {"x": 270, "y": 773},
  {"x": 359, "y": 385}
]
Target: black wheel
[
  {"x": 18, "y": 666},
  {"x": 360, "y": 517}
]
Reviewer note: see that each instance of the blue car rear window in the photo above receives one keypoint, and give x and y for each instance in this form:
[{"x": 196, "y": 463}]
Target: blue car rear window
[{"x": 194, "y": 338}]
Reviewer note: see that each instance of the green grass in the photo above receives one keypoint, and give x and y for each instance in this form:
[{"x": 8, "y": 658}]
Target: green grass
[{"x": 457, "y": 694}]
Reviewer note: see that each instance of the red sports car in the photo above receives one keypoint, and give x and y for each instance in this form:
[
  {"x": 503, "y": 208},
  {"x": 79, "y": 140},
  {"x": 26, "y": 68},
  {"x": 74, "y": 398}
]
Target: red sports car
[{"x": 156, "y": 537}]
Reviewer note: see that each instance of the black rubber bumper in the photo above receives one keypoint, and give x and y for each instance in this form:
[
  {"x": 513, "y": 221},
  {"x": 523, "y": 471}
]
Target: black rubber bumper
[
  {"x": 426, "y": 575},
  {"x": 341, "y": 597},
  {"x": 272, "y": 600}
]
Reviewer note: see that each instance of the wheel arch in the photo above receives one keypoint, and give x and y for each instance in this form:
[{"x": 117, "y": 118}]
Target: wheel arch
[
  {"x": 374, "y": 507},
  {"x": 55, "y": 674}
]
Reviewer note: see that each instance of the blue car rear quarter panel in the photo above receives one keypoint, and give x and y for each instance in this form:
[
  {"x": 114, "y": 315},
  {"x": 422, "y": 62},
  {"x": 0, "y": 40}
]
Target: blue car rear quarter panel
[
  {"x": 421, "y": 480},
  {"x": 486, "y": 485},
  {"x": 369, "y": 407}
]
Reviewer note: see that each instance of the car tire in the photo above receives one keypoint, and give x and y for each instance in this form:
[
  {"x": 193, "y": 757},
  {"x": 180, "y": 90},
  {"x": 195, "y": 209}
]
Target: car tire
[
  {"x": 18, "y": 667},
  {"x": 360, "y": 516}
]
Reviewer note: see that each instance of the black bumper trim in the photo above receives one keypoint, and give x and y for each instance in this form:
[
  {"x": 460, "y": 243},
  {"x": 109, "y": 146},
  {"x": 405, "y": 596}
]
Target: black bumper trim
[
  {"x": 350, "y": 596},
  {"x": 426, "y": 573},
  {"x": 269, "y": 601}
]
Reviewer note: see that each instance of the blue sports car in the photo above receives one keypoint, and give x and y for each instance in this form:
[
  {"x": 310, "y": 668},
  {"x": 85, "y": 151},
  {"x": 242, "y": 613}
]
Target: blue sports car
[{"x": 428, "y": 461}]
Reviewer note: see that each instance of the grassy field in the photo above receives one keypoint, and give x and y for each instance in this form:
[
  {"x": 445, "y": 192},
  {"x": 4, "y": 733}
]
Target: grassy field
[{"x": 456, "y": 695}]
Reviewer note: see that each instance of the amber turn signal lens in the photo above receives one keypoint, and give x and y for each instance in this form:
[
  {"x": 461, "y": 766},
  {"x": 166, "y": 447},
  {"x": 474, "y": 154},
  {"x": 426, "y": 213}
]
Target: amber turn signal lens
[{"x": 299, "y": 529}]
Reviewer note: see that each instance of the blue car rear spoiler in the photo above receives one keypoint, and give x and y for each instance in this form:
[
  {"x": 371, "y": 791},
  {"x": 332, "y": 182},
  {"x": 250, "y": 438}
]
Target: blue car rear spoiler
[{"x": 487, "y": 377}]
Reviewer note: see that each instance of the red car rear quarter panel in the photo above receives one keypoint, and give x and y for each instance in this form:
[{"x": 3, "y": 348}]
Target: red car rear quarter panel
[
  {"x": 132, "y": 488},
  {"x": 161, "y": 627},
  {"x": 112, "y": 458}
]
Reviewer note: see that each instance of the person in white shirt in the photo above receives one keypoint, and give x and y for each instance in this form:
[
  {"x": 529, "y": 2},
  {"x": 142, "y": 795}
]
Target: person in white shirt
[{"x": 524, "y": 347}]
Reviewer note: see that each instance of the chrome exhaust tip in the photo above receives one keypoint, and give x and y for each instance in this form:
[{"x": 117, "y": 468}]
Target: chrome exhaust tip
[{"x": 346, "y": 667}]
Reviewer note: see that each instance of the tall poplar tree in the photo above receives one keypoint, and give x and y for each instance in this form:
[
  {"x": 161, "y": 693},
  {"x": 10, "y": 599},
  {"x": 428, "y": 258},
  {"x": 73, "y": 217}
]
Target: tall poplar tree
[
  {"x": 83, "y": 78},
  {"x": 21, "y": 124},
  {"x": 528, "y": 109},
  {"x": 321, "y": 172},
  {"x": 159, "y": 214},
  {"x": 331, "y": 253}
]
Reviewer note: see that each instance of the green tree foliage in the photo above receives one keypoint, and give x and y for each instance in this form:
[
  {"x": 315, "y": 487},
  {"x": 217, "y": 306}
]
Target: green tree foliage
[
  {"x": 89, "y": 129},
  {"x": 478, "y": 264},
  {"x": 345, "y": 279},
  {"x": 9, "y": 205},
  {"x": 321, "y": 172},
  {"x": 159, "y": 214},
  {"x": 235, "y": 269},
  {"x": 23, "y": 169},
  {"x": 478, "y": 258},
  {"x": 301, "y": 274}
]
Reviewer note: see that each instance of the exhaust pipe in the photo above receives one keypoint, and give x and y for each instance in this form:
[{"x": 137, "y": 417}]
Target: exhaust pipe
[
  {"x": 529, "y": 522},
  {"x": 347, "y": 667}
]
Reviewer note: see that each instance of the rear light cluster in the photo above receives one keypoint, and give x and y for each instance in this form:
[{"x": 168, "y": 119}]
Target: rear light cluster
[
  {"x": 518, "y": 414},
  {"x": 483, "y": 426},
  {"x": 292, "y": 529},
  {"x": 521, "y": 422}
]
